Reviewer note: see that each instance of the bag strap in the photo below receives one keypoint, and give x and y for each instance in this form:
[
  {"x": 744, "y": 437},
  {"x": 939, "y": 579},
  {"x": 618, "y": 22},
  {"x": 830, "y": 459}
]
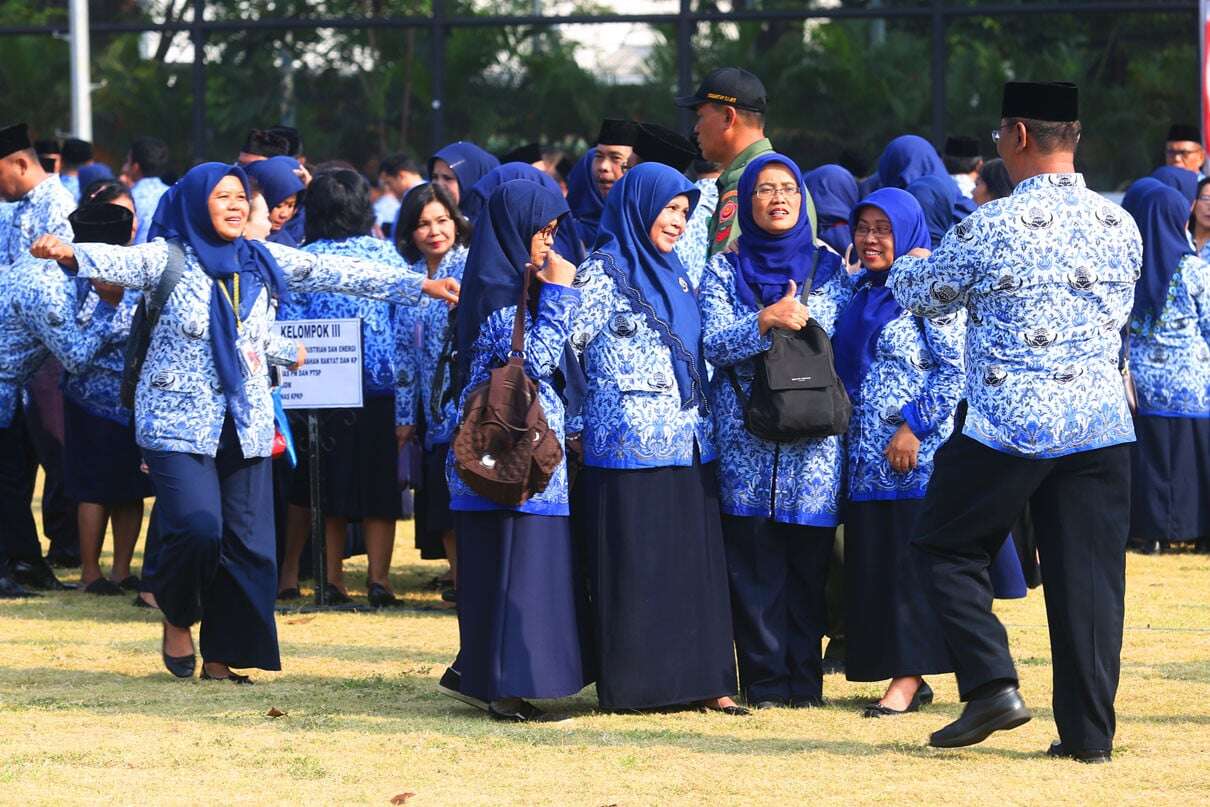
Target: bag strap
[
  {"x": 441, "y": 393},
  {"x": 168, "y": 280},
  {"x": 517, "y": 348},
  {"x": 811, "y": 277}
]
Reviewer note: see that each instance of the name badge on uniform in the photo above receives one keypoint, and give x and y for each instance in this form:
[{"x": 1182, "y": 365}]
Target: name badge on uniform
[{"x": 249, "y": 357}]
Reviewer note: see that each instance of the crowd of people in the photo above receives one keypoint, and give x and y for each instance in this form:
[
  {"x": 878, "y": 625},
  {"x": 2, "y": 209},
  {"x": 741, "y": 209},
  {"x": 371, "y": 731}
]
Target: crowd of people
[{"x": 1027, "y": 366}]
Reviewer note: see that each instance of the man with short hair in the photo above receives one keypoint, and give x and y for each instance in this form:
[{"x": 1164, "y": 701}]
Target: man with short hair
[
  {"x": 1183, "y": 148},
  {"x": 962, "y": 162},
  {"x": 42, "y": 203},
  {"x": 146, "y": 161},
  {"x": 1046, "y": 277},
  {"x": 261, "y": 144},
  {"x": 589, "y": 181},
  {"x": 730, "y": 105},
  {"x": 397, "y": 174}
]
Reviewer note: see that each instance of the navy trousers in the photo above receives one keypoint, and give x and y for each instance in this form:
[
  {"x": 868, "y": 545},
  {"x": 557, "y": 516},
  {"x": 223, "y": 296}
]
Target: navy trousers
[
  {"x": 44, "y": 419},
  {"x": 778, "y": 575},
  {"x": 1081, "y": 512},
  {"x": 18, "y": 468},
  {"x": 217, "y": 558}
]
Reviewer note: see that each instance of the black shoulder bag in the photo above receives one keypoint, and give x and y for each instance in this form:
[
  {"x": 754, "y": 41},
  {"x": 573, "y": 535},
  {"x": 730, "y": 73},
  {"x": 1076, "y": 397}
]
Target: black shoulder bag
[
  {"x": 795, "y": 392},
  {"x": 146, "y": 316}
]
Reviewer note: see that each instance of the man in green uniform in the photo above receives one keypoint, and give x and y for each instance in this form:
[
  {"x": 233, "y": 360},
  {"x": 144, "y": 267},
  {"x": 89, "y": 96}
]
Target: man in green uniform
[{"x": 730, "y": 106}]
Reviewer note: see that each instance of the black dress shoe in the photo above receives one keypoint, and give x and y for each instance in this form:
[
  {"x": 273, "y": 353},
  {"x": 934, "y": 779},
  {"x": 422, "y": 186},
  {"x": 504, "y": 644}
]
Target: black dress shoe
[
  {"x": 981, "y": 717},
  {"x": 180, "y": 666},
  {"x": 37, "y": 574},
  {"x": 234, "y": 678},
  {"x": 10, "y": 589},
  {"x": 730, "y": 711},
  {"x": 806, "y": 703},
  {"x": 760, "y": 706},
  {"x": 381, "y": 597},
  {"x": 289, "y": 594},
  {"x": 59, "y": 559},
  {"x": 450, "y": 595},
  {"x": 1058, "y": 750},
  {"x": 450, "y": 685},
  {"x": 922, "y": 697},
  {"x": 518, "y": 710},
  {"x": 337, "y": 597},
  {"x": 130, "y": 583},
  {"x": 103, "y": 587}
]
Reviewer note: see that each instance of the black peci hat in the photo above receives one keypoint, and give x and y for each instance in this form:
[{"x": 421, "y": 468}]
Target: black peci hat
[
  {"x": 47, "y": 147},
  {"x": 616, "y": 132},
  {"x": 662, "y": 145},
  {"x": 1057, "y": 101},
  {"x": 14, "y": 138},
  {"x": 101, "y": 223},
  {"x": 1181, "y": 132},
  {"x": 529, "y": 153},
  {"x": 76, "y": 151},
  {"x": 961, "y": 146},
  {"x": 732, "y": 86}
]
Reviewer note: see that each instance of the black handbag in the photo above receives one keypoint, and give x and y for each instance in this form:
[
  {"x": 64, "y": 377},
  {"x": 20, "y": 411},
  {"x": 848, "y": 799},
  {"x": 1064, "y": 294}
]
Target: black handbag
[{"x": 795, "y": 391}]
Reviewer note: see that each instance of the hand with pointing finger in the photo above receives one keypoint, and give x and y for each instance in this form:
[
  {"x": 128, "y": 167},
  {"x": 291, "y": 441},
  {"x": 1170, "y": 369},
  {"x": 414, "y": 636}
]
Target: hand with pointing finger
[{"x": 786, "y": 313}]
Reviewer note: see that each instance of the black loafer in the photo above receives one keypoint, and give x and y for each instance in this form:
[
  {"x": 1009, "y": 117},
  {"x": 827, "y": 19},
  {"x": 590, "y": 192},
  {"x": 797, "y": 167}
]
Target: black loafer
[
  {"x": 450, "y": 686},
  {"x": 981, "y": 717},
  {"x": 10, "y": 589},
  {"x": 922, "y": 697},
  {"x": 730, "y": 711},
  {"x": 37, "y": 574},
  {"x": 234, "y": 678},
  {"x": 289, "y": 594},
  {"x": 130, "y": 583},
  {"x": 760, "y": 706},
  {"x": 515, "y": 710},
  {"x": 103, "y": 587},
  {"x": 380, "y": 597},
  {"x": 180, "y": 666},
  {"x": 1059, "y": 751},
  {"x": 337, "y": 597},
  {"x": 806, "y": 703}
]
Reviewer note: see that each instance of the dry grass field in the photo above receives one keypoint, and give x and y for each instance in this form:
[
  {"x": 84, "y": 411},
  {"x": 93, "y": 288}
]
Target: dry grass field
[{"x": 89, "y": 716}]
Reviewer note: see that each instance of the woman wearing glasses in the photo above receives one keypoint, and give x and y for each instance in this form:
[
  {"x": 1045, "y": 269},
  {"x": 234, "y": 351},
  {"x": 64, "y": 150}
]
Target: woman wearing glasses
[
  {"x": 779, "y": 500},
  {"x": 904, "y": 376}
]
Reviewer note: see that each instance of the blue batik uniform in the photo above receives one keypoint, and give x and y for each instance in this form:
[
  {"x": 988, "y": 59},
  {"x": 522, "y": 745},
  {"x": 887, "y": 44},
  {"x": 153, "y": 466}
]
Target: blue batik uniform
[
  {"x": 794, "y": 483},
  {"x": 179, "y": 404},
  {"x": 421, "y": 336},
  {"x": 97, "y": 387},
  {"x": 1044, "y": 334},
  {"x": 146, "y": 194},
  {"x": 694, "y": 243},
  {"x": 633, "y": 415},
  {"x": 546, "y": 335},
  {"x": 377, "y": 316},
  {"x": 42, "y": 211},
  {"x": 72, "y": 183},
  {"x": 1170, "y": 360}
]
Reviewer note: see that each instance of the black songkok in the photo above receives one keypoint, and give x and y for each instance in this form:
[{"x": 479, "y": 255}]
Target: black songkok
[
  {"x": 76, "y": 151},
  {"x": 101, "y": 223},
  {"x": 14, "y": 138},
  {"x": 529, "y": 153},
  {"x": 961, "y": 146},
  {"x": 1057, "y": 101},
  {"x": 615, "y": 132},
  {"x": 1181, "y": 132},
  {"x": 662, "y": 145}
]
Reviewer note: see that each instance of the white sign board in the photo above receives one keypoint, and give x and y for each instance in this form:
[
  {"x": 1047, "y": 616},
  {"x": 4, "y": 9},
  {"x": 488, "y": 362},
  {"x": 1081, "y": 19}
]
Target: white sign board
[{"x": 330, "y": 378}]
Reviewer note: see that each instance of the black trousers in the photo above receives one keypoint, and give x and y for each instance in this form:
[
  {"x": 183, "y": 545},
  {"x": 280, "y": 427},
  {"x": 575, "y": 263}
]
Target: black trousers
[
  {"x": 1081, "y": 511},
  {"x": 778, "y": 574},
  {"x": 44, "y": 419},
  {"x": 18, "y": 467}
]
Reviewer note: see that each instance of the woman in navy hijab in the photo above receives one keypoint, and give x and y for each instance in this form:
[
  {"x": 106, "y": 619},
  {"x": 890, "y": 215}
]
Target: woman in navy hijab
[
  {"x": 203, "y": 414},
  {"x": 585, "y": 198},
  {"x": 937, "y": 197},
  {"x": 1170, "y": 364},
  {"x": 904, "y": 377},
  {"x": 834, "y": 191},
  {"x": 458, "y": 166},
  {"x": 282, "y": 187},
  {"x": 517, "y": 611},
  {"x": 647, "y": 498},
  {"x": 567, "y": 241}
]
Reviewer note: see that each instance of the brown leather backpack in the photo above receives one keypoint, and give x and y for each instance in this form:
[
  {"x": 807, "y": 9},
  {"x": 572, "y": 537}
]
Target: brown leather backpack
[{"x": 504, "y": 449}]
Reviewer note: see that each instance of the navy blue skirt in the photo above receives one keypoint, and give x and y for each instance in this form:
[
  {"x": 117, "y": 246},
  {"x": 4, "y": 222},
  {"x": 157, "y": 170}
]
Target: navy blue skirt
[
  {"x": 517, "y": 606},
  {"x": 101, "y": 461},
  {"x": 433, "y": 516},
  {"x": 1170, "y": 479},
  {"x": 660, "y": 595},
  {"x": 892, "y": 630}
]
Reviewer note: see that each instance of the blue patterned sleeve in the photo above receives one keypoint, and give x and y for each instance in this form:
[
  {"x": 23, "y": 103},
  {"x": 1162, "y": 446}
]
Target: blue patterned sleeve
[
  {"x": 137, "y": 267},
  {"x": 51, "y": 315},
  {"x": 1197, "y": 279},
  {"x": 729, "y": 338},
  {"x": 596, "y": 303},
  {"x": 937, "y": 285},
  {"x": 407, "y": 371},
  {"x": 944, "y": 337},
  {"x": 546, "y": 335},
  {"x": 311, "y": 272}
]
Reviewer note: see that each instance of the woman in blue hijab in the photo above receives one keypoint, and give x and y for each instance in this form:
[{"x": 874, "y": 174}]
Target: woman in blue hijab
[
  {"x": 203, "y": 413},
  {"x": 1179, "y": 179},
  {"x": 937, "y": 197},
  {"x": 904, "y": 377},
  {"x": 567, "y": 240},
  {"x": 458, "y": 166},
  {"x": 657, "y": 573},
  {"x": 517, "y": 610},
  {"x": 585, "y": 198},
  {"x": 1170, "y": 365},
  {"x": 906, "y": 159},
  {"x": 834, "y": 191},
  {"x": 280, "y": 184},
  {"x": 780, "y": 501}
]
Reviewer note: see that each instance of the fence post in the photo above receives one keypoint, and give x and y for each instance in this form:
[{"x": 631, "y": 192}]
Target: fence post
[
  {"x": 437, "y": 68},
  {"x": 937, "y": 71},
  {"x": 685, "y": 24},
  {"x": 198, "y": 34}
]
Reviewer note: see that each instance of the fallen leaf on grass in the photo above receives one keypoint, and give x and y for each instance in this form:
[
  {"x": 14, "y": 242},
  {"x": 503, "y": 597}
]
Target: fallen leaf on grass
[
  {"x": 275, "y": 712},
  {"x": 302, "y": 620},
  {"x": 402, "y": 798}
]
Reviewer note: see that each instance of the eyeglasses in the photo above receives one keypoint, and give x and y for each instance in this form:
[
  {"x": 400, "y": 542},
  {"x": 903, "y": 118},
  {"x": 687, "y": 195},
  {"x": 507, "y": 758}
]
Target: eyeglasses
[
  {"x": 1203, "y": 199},
  {"x": 763, "y": 192},
  {"x": 879, "y": 230},
  {"x": 1181, "y": 152},
  {"x": 996, "y": 132}
]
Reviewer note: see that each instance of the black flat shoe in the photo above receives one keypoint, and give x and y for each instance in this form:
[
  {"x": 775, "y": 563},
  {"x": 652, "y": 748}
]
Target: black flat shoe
[
  {"x": 806, "y": 703},
  {"x": 450, "y": 595},
  {"x": 981, "y": 717},
  {"x": 337, "y": 597},
  {"x": 10, "y": 589},
  {"x": 180, "y": 666},
  {"x": 380, "y": 597},
  {"x": 130, "y": 583},
  {"x": 234, "y": 678},
  {"x": 730, "y": 711},
  {"x": 38, "y": 574},
  {"x": 761, "y": 706},
  {"x": 922, "y": 697},
  {"x": 139, "y": 602},
  {"x": 289, "y": 595},
  {"x": 1059, "y": 751},
  {"x": 515, "y": 710},
  {"x": 450, "y": 686},
  {"x": 103, "y": 587}
]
